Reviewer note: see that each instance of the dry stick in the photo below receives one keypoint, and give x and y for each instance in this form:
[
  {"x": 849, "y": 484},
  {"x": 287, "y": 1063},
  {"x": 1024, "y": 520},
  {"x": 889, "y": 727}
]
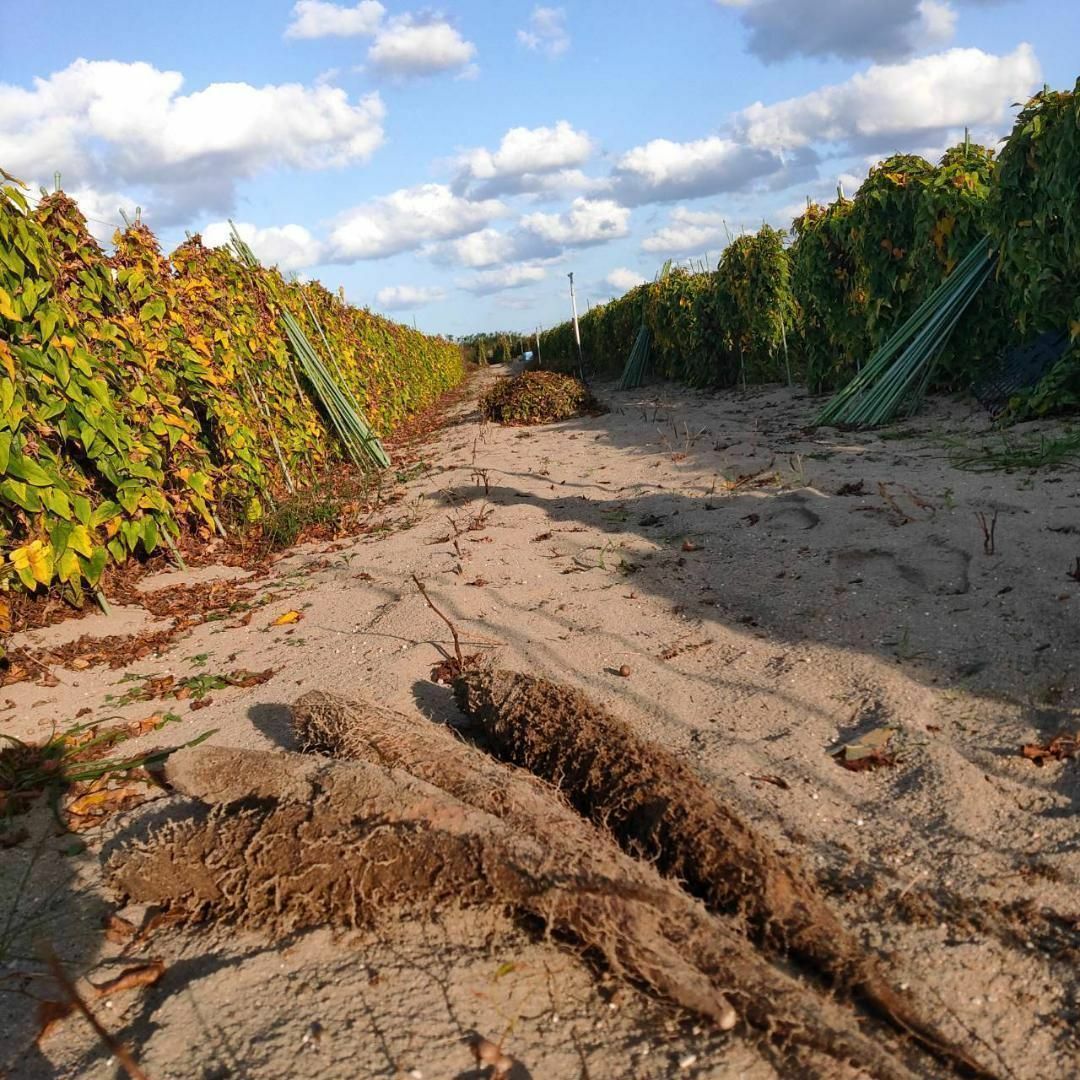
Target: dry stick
[
  {"x": 660, "y": 809},
  {"x": 453, "y": 629},
  {"x": 116, "y": 1048}
]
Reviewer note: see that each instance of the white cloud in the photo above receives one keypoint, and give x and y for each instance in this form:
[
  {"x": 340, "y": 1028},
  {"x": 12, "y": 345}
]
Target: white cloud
[
  {"x": 662, "y": 170},
  {"x": 406, "y": 297},
  {"x": 529, "y": 150},
  {"x": 107, "y": 123},
  {"x": 408, "y": 218},
  {"x": 410, "y": 45},
  {"x": 624, "y": 279},
  {"x": 485, "y": 247},
  {"x": 849, "y": 29},
  {"x": 689, "y": 231},
  {"x": 317, "y": 19},
  {"x": 487, "y": 282},
  {"x": 529, "y": 160},
  {"x": 588, "y": 221},
  {"x": 546, "y": 31},
  {"x": 913, "y": 99},
  {"x": 288, "y": 247}
]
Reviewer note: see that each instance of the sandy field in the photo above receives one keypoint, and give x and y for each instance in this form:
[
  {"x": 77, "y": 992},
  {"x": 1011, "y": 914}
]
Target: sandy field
[{"x": 774, "y": 593}]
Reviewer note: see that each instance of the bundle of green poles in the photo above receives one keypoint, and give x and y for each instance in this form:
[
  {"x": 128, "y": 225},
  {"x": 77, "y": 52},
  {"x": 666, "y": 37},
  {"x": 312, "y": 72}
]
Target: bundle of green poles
[
  {"x": 333, "y": 395},
  {"x": 634, "y": 372},
  {"x": 895, "y": 378}
]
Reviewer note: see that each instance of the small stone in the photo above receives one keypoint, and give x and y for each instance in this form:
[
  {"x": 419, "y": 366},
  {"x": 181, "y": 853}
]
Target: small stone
[{"x": 624, "y": 671}]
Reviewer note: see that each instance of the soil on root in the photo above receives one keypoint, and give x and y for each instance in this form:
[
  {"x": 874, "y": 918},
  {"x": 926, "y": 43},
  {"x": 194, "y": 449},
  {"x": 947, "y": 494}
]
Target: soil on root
[
  {"x": 286, "y": 842},
  {"x": 661, "y": 811}
]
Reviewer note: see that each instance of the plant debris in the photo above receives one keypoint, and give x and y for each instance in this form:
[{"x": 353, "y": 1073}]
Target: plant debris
[
  {"x": 866, "y": 752},
  {"x": 1060, "y": 748},
  {"x": 538, "y": 397}
]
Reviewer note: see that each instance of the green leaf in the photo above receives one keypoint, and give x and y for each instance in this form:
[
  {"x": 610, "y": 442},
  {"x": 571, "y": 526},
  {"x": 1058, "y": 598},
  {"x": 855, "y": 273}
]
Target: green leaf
[
  {"x": 106, "y": 511},
  {"x": 57, "y": 501},
  {"x": 26, "y": 498},
  {"x": 95, "y": 565},
  {"x": 23, "y": 468},
  {"x": 82, "y": 509},
  {"x": 149, "y": 534},
  {"x": 152, "y": 309},
  {"x": 5, "y": 450}
]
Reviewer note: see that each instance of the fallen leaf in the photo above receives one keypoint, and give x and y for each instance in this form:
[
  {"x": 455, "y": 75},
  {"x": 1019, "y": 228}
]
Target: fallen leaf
[
  {"x": 689, "y": 545},
  {"x": 5, "y": 616},
  {"x": 131, "y": 978},
  {"x": 98, "y": 803},
  {"x": 1059, "y": 748},
  {"x": 202, "y": 703},
  {"x": 287, "y": 618},
  {"x": 244, "y": 678}
]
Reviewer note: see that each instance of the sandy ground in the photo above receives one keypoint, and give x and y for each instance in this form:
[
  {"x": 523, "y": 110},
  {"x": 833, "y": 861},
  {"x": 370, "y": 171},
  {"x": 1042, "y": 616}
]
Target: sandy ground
[{"x": 766, "y": 618}]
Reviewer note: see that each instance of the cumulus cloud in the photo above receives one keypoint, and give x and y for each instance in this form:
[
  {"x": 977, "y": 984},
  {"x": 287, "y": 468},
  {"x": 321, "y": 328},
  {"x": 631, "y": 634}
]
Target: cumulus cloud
[
  {"x": 529, "y": 150},
  {"x": 487, "y": 282},
  {"x": 624, "y": 279},
  {"x": 288, "y": 247},
  {"x": 485, "y": 247},
  {"x": 317, "y": 19},
  {"x": 662, "y": 170},
  {"x": 849, "y": 29},
  {"x": 414, "y": 45},
  {"x": 688, "y": 231},
  {"x": 916, "y": 99},
  {"x": 408, "y": 297},
  {"x": 108, "y": 123},
  {"x": 407, "y": 219},
  {"x": 587, "y": 222},
  {"x": 546, "y": 31}
]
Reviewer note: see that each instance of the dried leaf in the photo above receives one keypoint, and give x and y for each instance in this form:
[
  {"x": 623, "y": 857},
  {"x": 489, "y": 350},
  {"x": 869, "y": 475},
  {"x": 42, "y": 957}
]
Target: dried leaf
[
  {"x": 1059, "y": 748},
  {"x": 131, "y": 978},
  {"x": 244, "y": 678},
  {"x": 288, "y": 618},
  {"x": 689, "y": 545}
]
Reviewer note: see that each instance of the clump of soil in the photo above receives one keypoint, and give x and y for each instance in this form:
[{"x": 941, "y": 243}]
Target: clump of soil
[
  {"x": 537, "y": 397},
  {"x": 661, "y": 811}
]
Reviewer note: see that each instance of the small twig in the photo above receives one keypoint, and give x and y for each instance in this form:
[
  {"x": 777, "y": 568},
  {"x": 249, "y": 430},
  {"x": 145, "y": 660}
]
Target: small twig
[
  {"x": 453, "y": 630},
  {"x": 116, "y": 1048},
  {"x": 988, "y": 528}
]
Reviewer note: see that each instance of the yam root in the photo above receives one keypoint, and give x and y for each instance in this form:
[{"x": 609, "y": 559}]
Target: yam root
[
  {"x": 349, "y": 843},
  {"x": 768, "y": 999},
  {"x": 661, "y": 811}
]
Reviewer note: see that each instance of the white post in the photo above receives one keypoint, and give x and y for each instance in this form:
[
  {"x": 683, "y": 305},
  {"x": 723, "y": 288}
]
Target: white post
[
  {"x": 577, "y": 329},
  {"x": 538, "y": 361}
]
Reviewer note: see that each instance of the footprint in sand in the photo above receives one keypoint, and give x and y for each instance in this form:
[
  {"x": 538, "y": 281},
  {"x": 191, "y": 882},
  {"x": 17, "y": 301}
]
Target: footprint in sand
[
  {"x": 791, "y": 515},
  {"x": 932, "y": 567}
]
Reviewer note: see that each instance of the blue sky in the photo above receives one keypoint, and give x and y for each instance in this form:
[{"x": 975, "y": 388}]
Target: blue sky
[{"x": 452, "y": 165}]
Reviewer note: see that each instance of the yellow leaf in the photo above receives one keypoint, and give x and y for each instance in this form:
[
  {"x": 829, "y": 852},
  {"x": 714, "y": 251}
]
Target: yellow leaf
[
  {"x": 7, "y": 359},
  {"x": 7, "y": 309},
  {"x": 5, "y": 616},
  {"x": 287, "y": 618},
  {"x": 37, "y": 559}
]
